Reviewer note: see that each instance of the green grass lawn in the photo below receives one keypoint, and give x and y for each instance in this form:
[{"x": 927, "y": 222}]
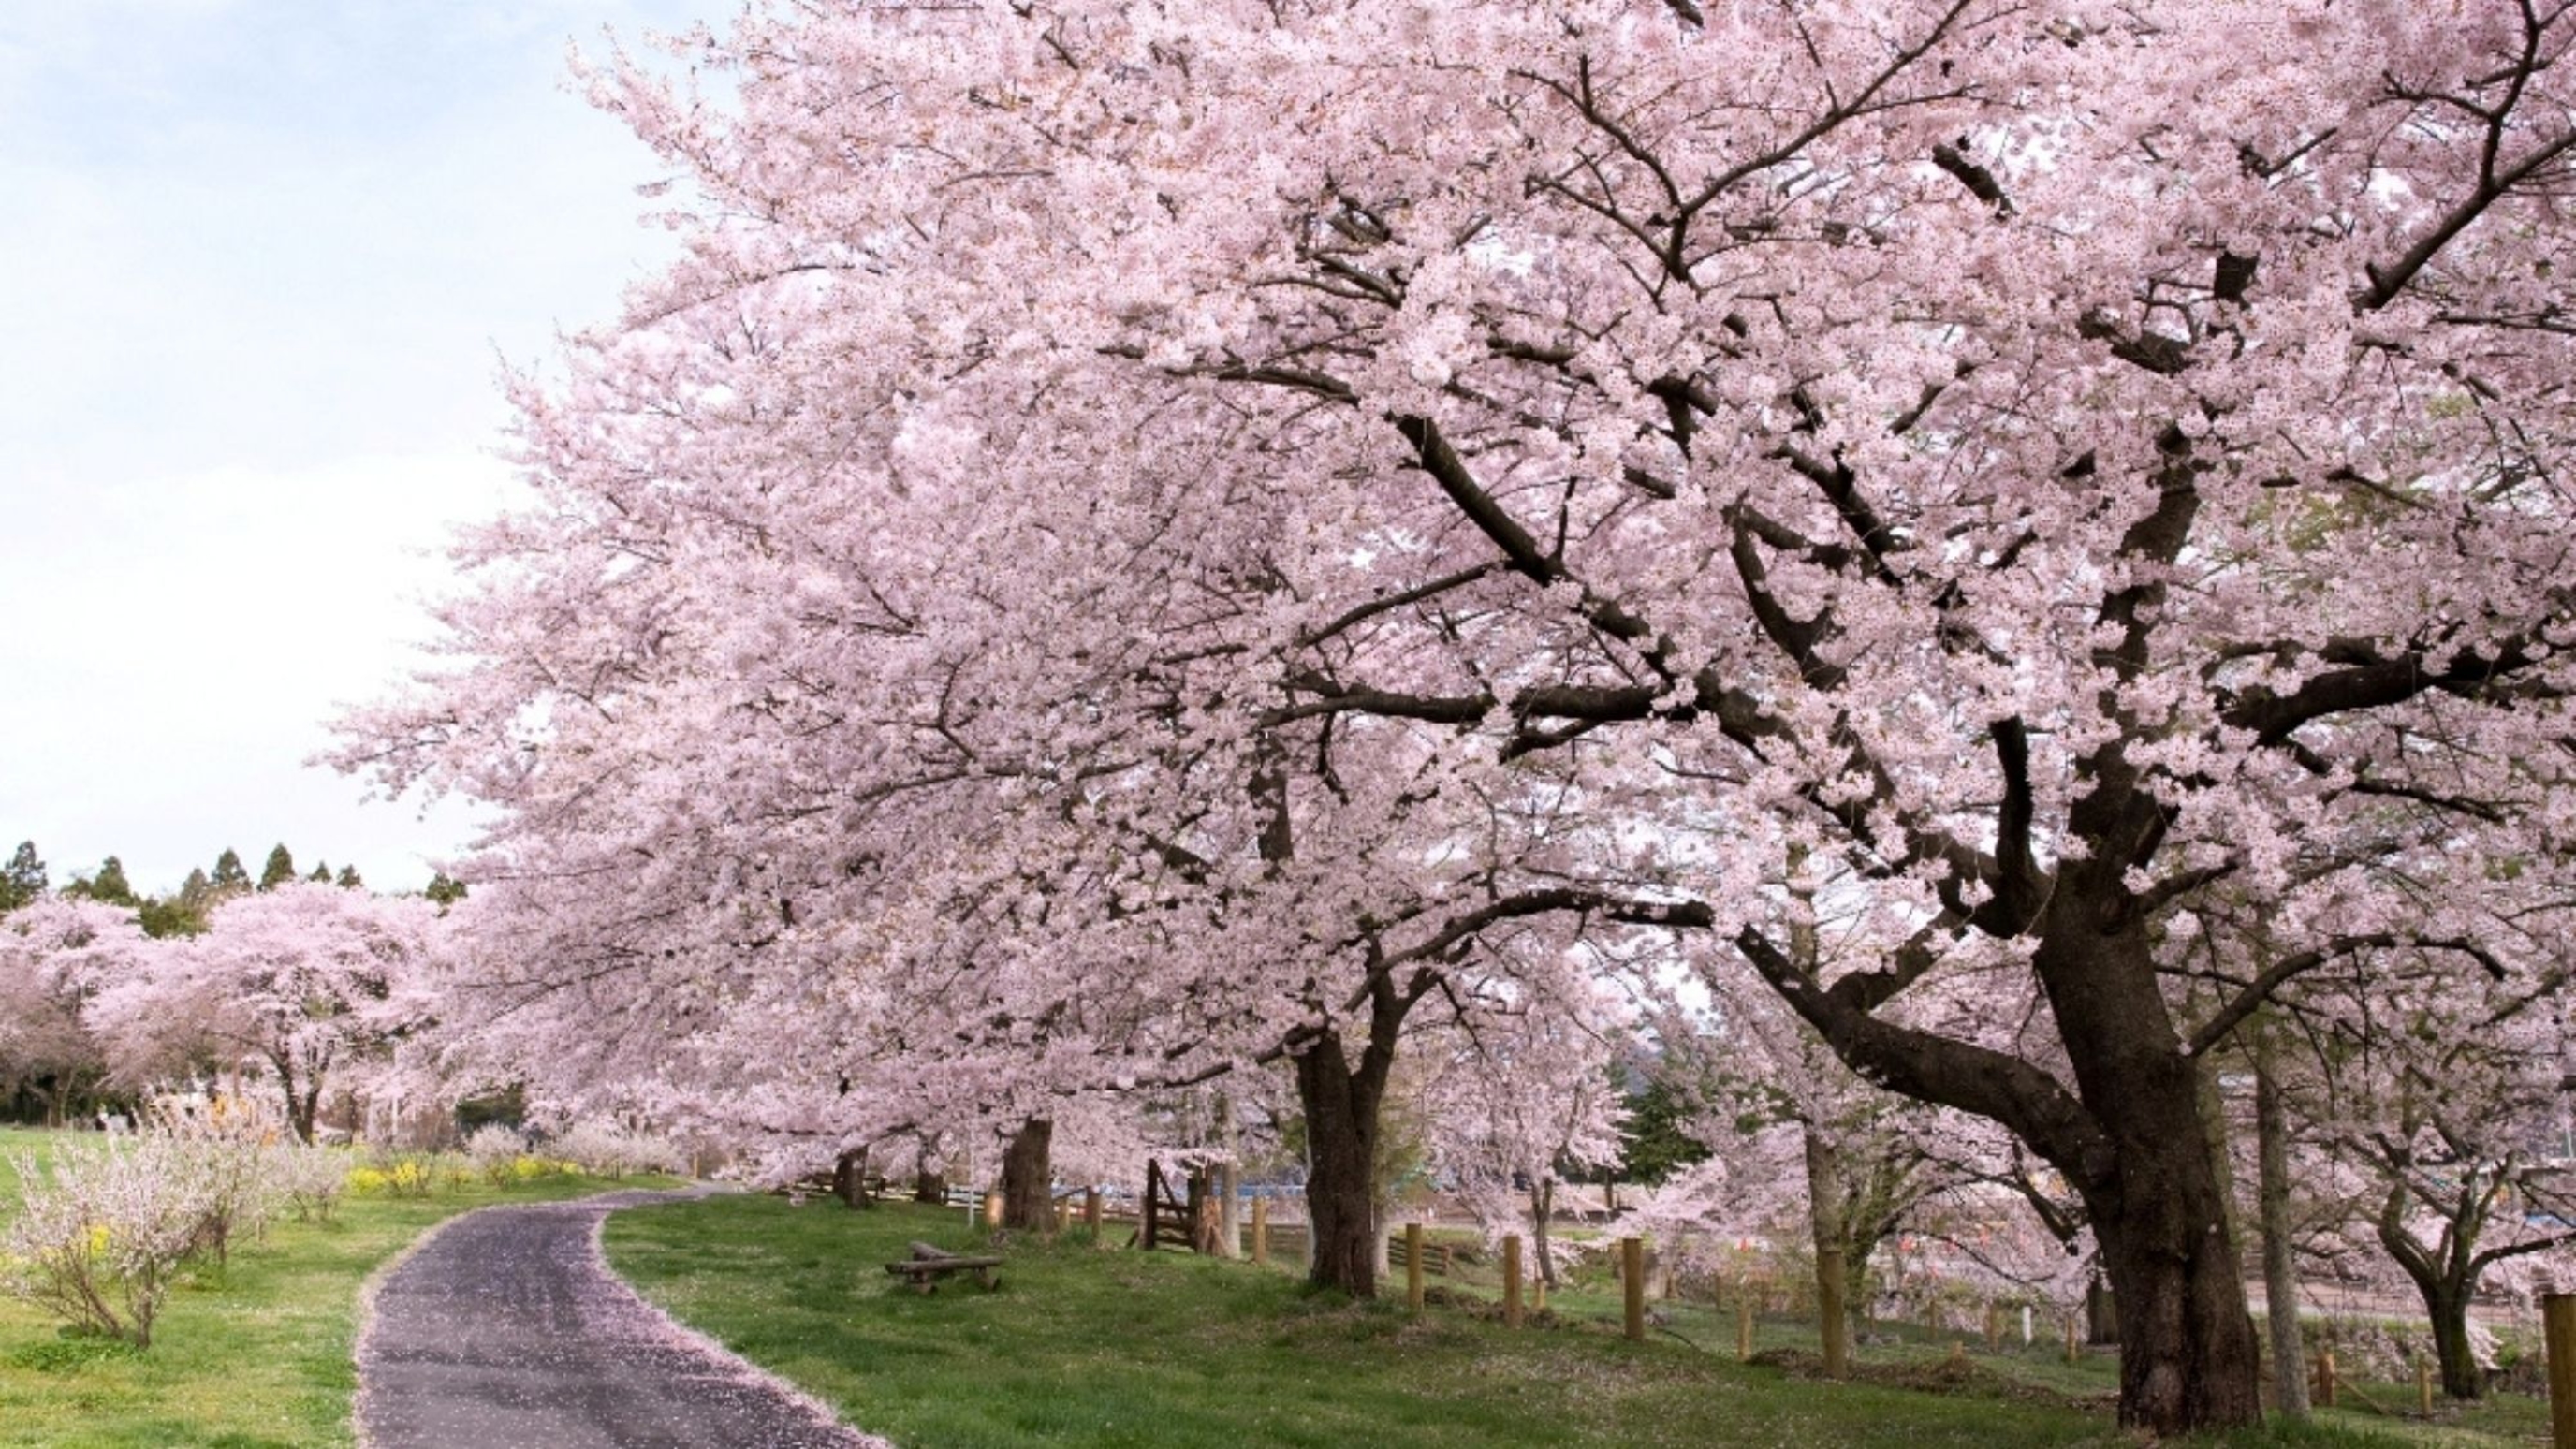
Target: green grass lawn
[
  {"x": 253, "y": 1356},
  {"x": 1082, "y": 1346}
]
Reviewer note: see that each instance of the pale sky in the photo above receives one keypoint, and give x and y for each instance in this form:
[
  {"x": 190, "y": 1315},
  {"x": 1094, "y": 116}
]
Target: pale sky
[{"x": 259, "y": 263}]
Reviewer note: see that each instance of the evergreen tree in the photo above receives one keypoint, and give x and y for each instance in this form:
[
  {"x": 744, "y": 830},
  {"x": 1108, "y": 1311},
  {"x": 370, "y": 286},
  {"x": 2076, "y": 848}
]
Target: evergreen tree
[
  {"x": 229, "y": 875},
  {"x": 443, "y": 890},
  {"x": 197, "y": 891},
  {"x": 349, "y": 880},
  {"x": 321, "y": 873},
  {"x": 23, "y": 879},
  {"x": 279, "y": 870},
  {"x": 109, "y": 885},
  {"x": 1654, "y": 1143}
]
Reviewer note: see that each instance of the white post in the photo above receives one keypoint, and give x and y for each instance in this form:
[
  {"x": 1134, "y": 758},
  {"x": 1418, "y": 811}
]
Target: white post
[{"x": 2025, "y": 1325}]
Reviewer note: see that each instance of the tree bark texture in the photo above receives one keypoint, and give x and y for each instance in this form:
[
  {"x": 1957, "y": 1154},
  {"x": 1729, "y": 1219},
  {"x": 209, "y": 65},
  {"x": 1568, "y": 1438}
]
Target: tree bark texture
[
  {"x": 2280, "y": 1262},
  {"x": 1826, "y": 1216},
  {"x": 850, "y": 1179},
  {"x": 1543, "y": 1212},
  {"x": 2156, "y": 1200},
  {"x": 1341, "y": 1106},
  {"x": 1028, "y": 1181}
]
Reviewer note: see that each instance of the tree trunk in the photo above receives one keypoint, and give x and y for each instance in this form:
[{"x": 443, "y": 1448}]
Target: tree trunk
[
  {"x": 1228, "y": 1181},
  {"x": 2101, "y": 1316},
  {"x": 1028, "y": 1181},
  {"x": 1858, "y": 1248},
  {"x": 850, "y": 1179},
  {"x": 1827, "y": 1219},
  {"x": 2444, "y": 1282},
  {"x": 299, "y": 1105},
  {"x": 1542, "y": 1212},
  {"x": 2151, "y": 1187},
  {"x": 2461, "y": 1376},
  {"x": 1341, "y": 1107},
  {"x": 2272, "y": 1210},
  {"x": 930, "y": 1187}
]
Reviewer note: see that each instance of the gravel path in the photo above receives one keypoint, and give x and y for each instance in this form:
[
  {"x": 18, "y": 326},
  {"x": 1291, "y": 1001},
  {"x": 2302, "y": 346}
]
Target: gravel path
[{"x": 505, "y": 1329}]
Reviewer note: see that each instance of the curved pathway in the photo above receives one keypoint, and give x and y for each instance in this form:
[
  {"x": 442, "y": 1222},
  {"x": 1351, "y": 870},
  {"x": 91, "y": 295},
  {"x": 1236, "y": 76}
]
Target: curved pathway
[{"x": 504, "y": 1329}]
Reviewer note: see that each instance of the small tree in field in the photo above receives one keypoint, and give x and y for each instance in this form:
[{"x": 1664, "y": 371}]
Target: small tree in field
[
  {"x": 226, "y": 1152},
  {"x": 100, "y": 1242},
  {"x": 311, "y": 1178}
]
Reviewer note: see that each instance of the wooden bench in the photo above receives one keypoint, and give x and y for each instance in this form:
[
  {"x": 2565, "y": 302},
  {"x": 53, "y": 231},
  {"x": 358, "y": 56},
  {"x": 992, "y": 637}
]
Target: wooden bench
[{"x": 929, "y": 1264}]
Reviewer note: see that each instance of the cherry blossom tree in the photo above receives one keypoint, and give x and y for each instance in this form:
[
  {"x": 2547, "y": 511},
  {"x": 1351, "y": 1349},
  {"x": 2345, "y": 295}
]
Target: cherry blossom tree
[
  {"x": 57, "y": 953},
  {"x": 306, "y": 984},
  {"x": 1406, "y": 485},
  {"x": 2450, "y": 1109},
  {"x": 1522, "y": 1090}
]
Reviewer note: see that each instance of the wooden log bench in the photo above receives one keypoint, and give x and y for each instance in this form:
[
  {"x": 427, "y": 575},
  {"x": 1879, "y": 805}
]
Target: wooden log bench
[{"x": 929, "y": 1264}]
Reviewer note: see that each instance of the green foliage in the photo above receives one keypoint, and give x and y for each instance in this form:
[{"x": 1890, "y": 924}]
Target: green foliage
[
  {"x": 507, "y": 1107},
  {"x": 348, "y": 879},
  {"x": 279, "y": 870},
  {"x": 229, "y": 875},
  {"x": 23, "y": 879},
  {"x": 1653, "y": 1145},
  {"x": 108, "y": 885},
  {"x": 321, "y": 873},
  {"x": 164, "y": 916},
  {"x": 443, "y": 890}
]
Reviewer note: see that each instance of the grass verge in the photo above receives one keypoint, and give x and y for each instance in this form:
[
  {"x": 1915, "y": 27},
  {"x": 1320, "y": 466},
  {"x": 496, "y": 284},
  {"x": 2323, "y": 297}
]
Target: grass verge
[
  {"x": 257, "y": 1355},
  {"x": 1098, "y": 1348}
]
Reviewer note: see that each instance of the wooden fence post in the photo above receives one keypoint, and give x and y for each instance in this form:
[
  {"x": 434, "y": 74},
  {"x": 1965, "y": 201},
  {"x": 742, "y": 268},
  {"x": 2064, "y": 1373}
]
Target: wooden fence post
[
  {"x": 1260, "y": 1231},
  {"x": 1511, "y": 1280},
  {"x": 1743, "y": 1325},
  {"x": 1413, "y": 1266},
  {"x": 1632, "y": 1275},
  {"x": 2326, "y": 1379},
  {"x": 2071, "y": 1352},
  {"x": 1091, "y": 1213},
  {"x": 1994, "y": 1327},
  {"x": 2558, "y": 1325},
  {"x": 2424, "y": 1387},
  {"x": 1149, "y": 1221},
  {"x": 992, "y": 1209},
  {"x": 1538, "y": 1288}
]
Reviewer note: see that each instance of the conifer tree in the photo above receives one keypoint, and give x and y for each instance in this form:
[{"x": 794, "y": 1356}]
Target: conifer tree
[
  {"x": 23, "y": 879},
  {"x": 109, "y": 885}
]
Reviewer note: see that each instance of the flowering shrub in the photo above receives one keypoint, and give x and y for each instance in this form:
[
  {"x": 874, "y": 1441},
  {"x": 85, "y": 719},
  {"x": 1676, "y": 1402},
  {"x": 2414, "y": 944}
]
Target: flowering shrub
[
  {"x": 613, "y": 1152},
  {"x": 496, "y": 1152},
  {"x": 229, "y": 1150},
  {"x": 311, "y": 1178},
  {"x": 391, "y": 1174},
  {"x": 100, "y": 1245}
]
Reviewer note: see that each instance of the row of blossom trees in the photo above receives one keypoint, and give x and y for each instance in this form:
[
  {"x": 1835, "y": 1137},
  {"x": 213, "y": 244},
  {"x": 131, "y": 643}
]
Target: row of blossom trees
[
  {"x": 1144, "y": 546},
  {"x": 304, "y": 989}
]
